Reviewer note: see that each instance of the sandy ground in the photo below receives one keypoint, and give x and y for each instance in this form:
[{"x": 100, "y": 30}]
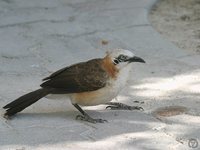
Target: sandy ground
[
  {"x": 178, "y": 21},
  {"x": 38, "y": 37}
]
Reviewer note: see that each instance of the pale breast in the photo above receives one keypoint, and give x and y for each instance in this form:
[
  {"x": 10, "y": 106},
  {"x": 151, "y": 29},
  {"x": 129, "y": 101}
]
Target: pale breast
[
  {"x": 93, "y": 98},
  {"x": 103, "y": 95}
]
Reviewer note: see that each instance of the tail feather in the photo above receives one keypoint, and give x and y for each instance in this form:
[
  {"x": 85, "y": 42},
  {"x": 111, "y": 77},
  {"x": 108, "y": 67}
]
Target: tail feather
[{"x": 24, "y": 101}]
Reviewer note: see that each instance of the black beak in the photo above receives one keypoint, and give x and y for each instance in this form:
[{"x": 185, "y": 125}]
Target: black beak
[{"x": 136, "y": 59}]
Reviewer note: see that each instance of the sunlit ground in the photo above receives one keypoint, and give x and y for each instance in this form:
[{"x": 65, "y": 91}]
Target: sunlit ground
[{"x": 156, "y": 87}]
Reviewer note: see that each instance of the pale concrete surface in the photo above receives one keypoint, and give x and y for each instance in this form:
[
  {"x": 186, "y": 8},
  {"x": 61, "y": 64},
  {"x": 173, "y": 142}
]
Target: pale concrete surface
[{"x": 41, "y": 36}]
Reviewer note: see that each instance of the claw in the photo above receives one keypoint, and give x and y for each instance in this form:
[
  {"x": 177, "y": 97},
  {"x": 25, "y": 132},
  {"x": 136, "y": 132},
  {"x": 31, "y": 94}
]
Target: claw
[
  {"x": 79, "y": 117},
  {"x": 112, "y": 107},
  {"x": 115, "y": 106},
  {"x": 136, "y": 108}
]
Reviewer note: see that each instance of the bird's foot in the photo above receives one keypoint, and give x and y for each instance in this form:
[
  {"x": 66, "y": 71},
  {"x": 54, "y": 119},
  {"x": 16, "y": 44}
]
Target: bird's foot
[
  {"x": 90, "y": 119},
  {"x": 120, "y": 106}
]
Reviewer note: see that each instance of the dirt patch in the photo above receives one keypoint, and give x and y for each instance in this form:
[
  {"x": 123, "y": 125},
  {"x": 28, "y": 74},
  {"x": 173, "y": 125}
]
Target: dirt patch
[
  {"x": 169, "y": 111},
  {"x": 179, "y": 21},
  {"x": 104, "y": 42}
]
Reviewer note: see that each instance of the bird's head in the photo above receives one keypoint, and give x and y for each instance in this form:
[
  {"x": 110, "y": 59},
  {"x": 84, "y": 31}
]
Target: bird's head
[{"x": 121, "y": 58}]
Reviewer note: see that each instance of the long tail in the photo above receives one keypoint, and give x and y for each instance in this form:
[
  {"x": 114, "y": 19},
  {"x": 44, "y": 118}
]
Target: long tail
[{"x": 24, "y": 101}]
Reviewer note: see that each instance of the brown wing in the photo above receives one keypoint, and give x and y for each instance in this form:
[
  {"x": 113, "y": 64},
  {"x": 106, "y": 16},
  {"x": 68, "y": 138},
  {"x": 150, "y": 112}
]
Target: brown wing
[{"x": 81, "y": 77}]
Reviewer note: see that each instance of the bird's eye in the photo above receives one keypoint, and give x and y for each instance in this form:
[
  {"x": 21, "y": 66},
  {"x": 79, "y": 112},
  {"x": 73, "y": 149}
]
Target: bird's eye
[
  {"x": 122, "y": 58},
  {"x": 115, "y": 61}
]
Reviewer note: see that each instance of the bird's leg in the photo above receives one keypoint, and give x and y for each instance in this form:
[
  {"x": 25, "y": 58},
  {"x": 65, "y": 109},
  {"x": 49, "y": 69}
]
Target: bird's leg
[
  {"x": 115, "y": 105},
  {"x": 86, "y": 117}
]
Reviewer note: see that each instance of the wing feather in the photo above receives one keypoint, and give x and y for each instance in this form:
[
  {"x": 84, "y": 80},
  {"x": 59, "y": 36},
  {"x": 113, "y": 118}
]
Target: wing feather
[{"x": 81, "y": 77}]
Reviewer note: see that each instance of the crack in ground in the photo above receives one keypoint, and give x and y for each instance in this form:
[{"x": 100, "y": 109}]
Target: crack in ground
[
  {"x": 31, "y": 22},
  {"x": 98, "y": 31}
]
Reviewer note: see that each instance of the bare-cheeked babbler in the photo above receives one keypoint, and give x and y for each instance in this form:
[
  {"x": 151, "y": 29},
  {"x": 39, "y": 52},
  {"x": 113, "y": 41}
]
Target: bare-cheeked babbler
[{"x": 89, "y": 83}]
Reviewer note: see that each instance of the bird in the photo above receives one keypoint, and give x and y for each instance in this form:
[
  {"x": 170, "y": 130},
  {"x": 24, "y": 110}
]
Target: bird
[{"x": 93, "y": 82}]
